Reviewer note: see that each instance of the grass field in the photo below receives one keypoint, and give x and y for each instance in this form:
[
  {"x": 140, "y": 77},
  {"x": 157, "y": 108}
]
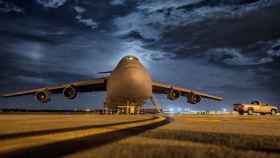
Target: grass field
[
  {"x": 186, "y": 136},
  {"x": 47, "y": 135},
  {"x": 200, "y": 137},
  {"x": 19, "y": 123}
]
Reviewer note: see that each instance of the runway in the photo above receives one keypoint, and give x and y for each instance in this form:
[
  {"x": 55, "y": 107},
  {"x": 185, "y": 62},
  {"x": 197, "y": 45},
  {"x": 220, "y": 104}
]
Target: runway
[{"x": 40, "y": 136}]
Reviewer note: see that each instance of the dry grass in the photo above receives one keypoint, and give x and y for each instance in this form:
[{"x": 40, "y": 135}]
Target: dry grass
[
  {"x": 19, "y": 123},
  {"x": 27, "y": 135},
  {"x": 186, "y": 136},
  {"x": 201, "y": 137}
]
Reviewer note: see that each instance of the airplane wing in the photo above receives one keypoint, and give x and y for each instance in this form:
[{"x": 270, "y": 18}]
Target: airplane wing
[
  {"x": 81, "y": 86},
  {"x": 163, "y": 88}
]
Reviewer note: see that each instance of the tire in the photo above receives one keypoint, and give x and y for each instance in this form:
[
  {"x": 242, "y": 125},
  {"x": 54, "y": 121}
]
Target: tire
[
  {"x": 250, "y": 112},
  {"x": 241, "y": 113},
  {"x": 273, "y": 112}
]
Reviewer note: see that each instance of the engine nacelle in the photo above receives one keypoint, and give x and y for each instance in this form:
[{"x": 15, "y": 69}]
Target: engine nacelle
[
  {"x": 43, "y": 96},
  {"x": 193, "y": 98},
  {"x": 69, "y": 92},
  {"x": 173, "y": 95}
]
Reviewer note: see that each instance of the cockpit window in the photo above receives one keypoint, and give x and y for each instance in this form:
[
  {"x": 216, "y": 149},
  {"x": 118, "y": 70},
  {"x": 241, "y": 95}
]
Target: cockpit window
[
  {"x": 255, "y": 102},
  {"x": 131, "y": 58}
]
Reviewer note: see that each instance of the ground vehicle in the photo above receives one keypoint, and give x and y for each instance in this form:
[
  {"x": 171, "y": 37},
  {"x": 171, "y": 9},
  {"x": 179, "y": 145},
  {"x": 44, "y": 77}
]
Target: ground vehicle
[{"x": 255, "y": 107}]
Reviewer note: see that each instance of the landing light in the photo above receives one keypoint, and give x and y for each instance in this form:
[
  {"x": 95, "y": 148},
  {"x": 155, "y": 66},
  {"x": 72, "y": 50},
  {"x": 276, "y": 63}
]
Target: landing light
[{"x": 130, "y": 58}]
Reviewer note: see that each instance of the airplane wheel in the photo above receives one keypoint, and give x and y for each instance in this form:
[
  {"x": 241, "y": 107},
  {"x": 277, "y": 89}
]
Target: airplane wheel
[
  {"x": 241, "y": 113},
  {"x": 250, "y": 112},
  {"x": 273, "y": 112}
]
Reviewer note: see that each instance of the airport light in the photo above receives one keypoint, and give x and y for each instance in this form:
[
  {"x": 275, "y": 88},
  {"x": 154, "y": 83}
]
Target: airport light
[
  {"x": 224, "y": 110},
  {"x": 179, "y": 109}
]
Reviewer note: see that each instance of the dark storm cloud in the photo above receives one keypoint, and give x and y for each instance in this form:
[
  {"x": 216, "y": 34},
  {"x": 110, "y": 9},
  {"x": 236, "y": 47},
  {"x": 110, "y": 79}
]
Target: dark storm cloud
[
  {"x": 33, "y": 52},
  {"x": 20, "y": 70},
  {"x": 24, "y": 36},
  {"x": 193, "y": 27},
  {"x": 239, "y": 32}
]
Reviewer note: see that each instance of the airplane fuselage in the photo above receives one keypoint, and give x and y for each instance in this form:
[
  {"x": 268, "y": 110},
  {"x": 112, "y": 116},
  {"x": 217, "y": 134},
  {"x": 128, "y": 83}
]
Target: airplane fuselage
[{"x": 129, "y": 82}]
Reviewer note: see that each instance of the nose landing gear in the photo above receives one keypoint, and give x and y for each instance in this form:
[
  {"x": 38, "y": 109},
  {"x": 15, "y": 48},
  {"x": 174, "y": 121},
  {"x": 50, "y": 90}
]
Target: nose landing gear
[{"x": 129, "y": 108}]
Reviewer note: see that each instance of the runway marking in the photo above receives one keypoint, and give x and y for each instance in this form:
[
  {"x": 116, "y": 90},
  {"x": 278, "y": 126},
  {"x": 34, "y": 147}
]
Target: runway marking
[{"x": 59, "y": 144}]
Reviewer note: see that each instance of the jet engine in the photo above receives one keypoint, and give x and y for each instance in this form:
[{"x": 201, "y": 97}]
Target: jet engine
[
  {"x": 193, "y": 98},
  {"x": 173, "y": 95},
  {"x": 69, "y": 92},
  {"x": 42, "y": 96}
]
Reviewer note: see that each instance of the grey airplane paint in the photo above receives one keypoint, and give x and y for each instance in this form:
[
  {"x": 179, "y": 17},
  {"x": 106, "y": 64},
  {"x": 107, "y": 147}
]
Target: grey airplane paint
[{"x": 129, "y": 82}]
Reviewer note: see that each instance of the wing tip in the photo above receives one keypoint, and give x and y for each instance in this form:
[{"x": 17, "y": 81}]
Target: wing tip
[
  {"x": 2, "y": 94},
  {"x": 5, "y": 95},
  {"x": 220, "y": 98},
  {"x": 8, "y": 94}
]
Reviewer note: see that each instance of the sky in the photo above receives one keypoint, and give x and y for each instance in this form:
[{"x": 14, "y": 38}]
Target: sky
[{"x": 229, "y": 48}]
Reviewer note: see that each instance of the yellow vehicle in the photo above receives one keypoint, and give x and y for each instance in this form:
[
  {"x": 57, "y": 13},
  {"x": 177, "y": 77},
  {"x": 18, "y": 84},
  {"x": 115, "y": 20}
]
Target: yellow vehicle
[{"x": 255, "y": 107}]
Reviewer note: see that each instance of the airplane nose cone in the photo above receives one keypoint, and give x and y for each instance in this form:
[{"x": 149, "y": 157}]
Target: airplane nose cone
[{"x": 131, "y": 82}]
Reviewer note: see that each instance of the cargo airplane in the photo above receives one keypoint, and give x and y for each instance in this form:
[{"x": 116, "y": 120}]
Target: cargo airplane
[{"x": 128, "y": 86}]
